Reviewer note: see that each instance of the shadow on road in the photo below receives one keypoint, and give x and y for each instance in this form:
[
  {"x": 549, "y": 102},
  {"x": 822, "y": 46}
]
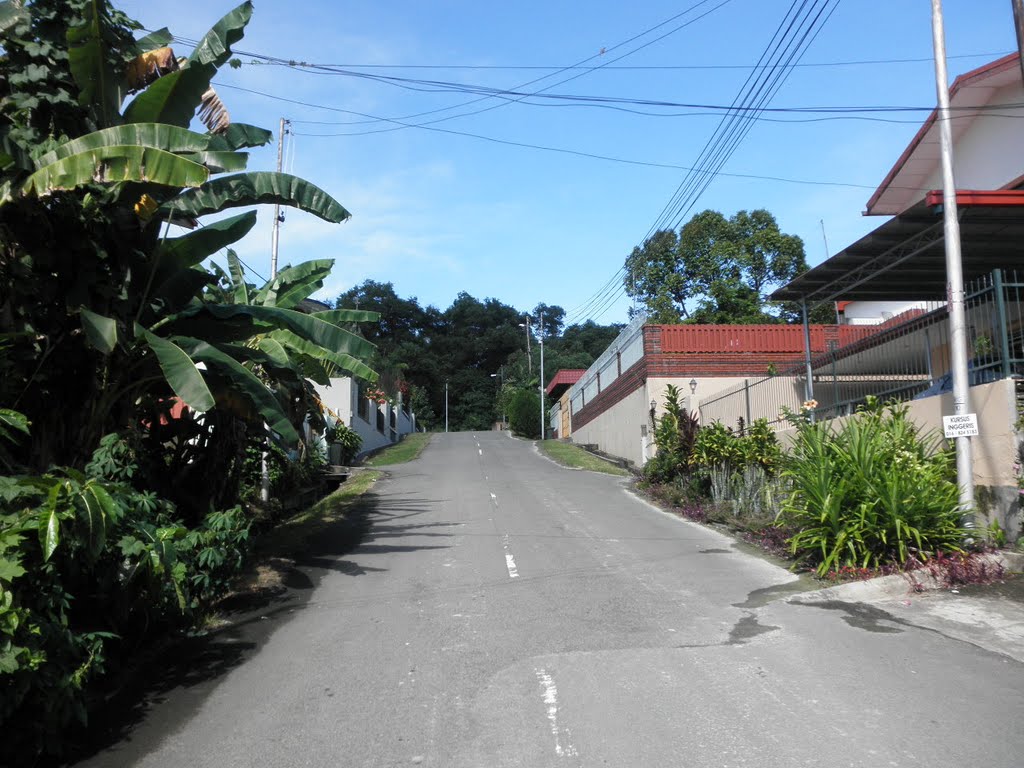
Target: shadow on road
[{"x": 167, "y": 685}]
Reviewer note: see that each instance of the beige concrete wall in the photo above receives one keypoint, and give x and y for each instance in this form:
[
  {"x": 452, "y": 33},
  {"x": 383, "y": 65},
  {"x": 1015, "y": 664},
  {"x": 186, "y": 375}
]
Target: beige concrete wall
[
  {"x": 767, "y": 399},
  {"x": 617, "y": 430},
  {"x": 994, "y": 450},
  {"x": 706, "y": 387}
]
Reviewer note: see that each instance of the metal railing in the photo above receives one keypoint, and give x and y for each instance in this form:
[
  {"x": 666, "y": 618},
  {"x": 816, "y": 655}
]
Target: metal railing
[{"x": 907, "y": 357}]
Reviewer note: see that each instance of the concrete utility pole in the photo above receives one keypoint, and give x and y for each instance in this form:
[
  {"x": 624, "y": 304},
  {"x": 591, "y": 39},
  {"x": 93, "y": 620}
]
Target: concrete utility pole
[
  {"x": 540, "y": 341},
  {"x": 275, "y": 236},
  {"x": 954, "y": 271},
  {"x": 277, "y": 208},
  {"x": 529, "y": 357},
  {"x": 446, "y": 407},
  {"x": 1018, "y": 25}
]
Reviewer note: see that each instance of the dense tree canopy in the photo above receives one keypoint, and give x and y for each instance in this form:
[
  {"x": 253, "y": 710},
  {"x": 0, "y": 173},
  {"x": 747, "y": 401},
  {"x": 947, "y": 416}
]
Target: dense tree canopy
[
  {"x": 716, "y": 270},
  {"x": 477, "y": 347}
]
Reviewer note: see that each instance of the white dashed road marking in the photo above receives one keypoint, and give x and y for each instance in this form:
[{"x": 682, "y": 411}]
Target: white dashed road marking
[
  {"x": 563, "y": 746},
  {"x": 510, "y": 562}
]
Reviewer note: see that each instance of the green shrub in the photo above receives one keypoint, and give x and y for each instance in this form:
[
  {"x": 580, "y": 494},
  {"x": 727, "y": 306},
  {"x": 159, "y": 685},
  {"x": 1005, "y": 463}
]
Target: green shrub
[
  {"x": 741, "y": 470},
  {"x": 674, "y": 438},
  {"x": 349, "y": 440},
  {"x": 875, "y": 491},
  {"x": 524, "y": 412},
  {"x": 86, "y": 568},
  {"x": 89, "y": 570},
  {"x": 215, "y": 553}
]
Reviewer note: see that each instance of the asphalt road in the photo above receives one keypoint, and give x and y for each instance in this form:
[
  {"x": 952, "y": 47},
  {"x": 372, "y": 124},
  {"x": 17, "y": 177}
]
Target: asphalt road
[{"x": 504, "y": 611}]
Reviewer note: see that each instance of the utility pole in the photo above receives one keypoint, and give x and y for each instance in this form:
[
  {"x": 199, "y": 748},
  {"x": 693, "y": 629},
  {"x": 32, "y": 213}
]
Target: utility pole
[
  {"x": 529, "y": 357},
  {"x": 446, "y": 407},
  {"x": 1018, "y": 25},
  {"x": 278, "y": 218},
  {"x": 954, "y": 271},
  {"x": 264, "y": 470},
  {"x": 540, "y": 342}
]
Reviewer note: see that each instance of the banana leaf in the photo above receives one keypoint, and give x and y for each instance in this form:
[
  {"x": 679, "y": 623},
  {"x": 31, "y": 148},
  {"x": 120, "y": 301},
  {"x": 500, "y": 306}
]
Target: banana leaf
[
  {"x": 114, "y": 164},
  {"x": 275, "y": 350},
  {"x": 182, "y": 286},
  {"x": 244, "y": 383},
  {"x": 169, "y": 138},
  {"x": 341, "y": 360},
  {"x": 159, "y": 39},
  {"x": 173, "y": 98},
  {"x": 215, "y": 47},
  {"x": 294, "y": 284},
  {"x": 221, "y": 162},
  {"x": 283, "y": 369},
  {"x": 189, "y": 250},
  {"x": 179, "y": 370},
  {"x": 338, "y": 316},
  {"x": 315, "y": 330},
  {"x": 101, "y": 331},
  {"x": 99, "y": 86},
  {"x": 253, "y": 189},
  {"x": 240, "y": 136},
  {"x": 241, "y": 290},
  {"x": 11, "y": 15}
]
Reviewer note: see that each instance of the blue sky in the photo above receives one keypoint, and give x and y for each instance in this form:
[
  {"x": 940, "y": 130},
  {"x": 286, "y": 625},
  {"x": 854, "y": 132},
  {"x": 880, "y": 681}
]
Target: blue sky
[{"x": 437, "y": 212}]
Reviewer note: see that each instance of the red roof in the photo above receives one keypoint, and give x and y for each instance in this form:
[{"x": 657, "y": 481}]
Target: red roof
[{"x": 564, "y": 379}]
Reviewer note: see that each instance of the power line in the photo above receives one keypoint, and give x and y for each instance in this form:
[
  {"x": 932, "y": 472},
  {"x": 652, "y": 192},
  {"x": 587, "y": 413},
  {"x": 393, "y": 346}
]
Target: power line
[
  {"x": 520, "y": 96},
  {"x": 790, "y": 41},
  {"x": 798, "y": 28},
  {"x": 294, "y": 64}
]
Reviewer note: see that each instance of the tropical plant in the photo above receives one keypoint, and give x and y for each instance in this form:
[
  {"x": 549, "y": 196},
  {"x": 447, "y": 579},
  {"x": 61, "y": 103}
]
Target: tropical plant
[
  {"x": 675, "y": 436},
  {"x": 874, "y": 491},
  {"x": 94, "y": 279},
  {"x": 131, "y": 375},
  {"x": 85, "y": 566},
  {"x": 348, "y": 439}
]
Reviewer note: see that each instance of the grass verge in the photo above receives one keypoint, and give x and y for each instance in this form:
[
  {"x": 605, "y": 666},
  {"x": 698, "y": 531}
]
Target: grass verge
[
  {"x": 294, "y": 534},
  {"x": 411, "y": 447},
  {"x": 573, "y": 456}
]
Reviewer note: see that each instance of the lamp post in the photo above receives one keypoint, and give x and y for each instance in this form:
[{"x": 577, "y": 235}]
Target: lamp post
[
  {"x": 540, "y": 341},
  {"x": 446, "y": 407},
  {"x": 529, "y": 358},
  {"x": 501, "y": 374}
]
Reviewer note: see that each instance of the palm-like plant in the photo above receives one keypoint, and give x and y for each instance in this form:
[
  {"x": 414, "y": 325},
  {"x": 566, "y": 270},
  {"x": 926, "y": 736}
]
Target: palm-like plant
[{"x": 130, "y": 313}]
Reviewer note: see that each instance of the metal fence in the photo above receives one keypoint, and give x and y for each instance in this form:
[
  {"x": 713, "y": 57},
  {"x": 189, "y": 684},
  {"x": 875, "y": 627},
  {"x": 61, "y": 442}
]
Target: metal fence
[{"x": 906, "y": 357}]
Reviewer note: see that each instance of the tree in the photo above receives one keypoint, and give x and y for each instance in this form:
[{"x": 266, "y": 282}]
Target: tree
[
  {"x": 549, "y": 319},
  {"x": 716, "y": 270},
  {"x": 107, "y": 323},
  {"x": 107, "y": 315}
]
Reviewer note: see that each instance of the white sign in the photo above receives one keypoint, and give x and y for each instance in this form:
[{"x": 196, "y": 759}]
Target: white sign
[{"x": 960, "y": 426}]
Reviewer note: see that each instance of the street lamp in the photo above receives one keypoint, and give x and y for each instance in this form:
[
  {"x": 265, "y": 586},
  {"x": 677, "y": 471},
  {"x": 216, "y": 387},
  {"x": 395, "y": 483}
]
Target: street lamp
[
  {"x": 529, "y": 358},
  {"x": 540, "y": 341},
  {"x": 501, "y": 374}
]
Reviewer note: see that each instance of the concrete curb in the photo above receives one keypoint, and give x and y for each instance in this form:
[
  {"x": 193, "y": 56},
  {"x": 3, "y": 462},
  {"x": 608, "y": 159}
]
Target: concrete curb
[{"x": 898, "y": 585}]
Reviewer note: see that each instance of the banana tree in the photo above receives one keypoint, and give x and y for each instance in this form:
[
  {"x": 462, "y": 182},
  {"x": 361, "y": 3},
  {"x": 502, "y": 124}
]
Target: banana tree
[{"x": 106, "y": 291}]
